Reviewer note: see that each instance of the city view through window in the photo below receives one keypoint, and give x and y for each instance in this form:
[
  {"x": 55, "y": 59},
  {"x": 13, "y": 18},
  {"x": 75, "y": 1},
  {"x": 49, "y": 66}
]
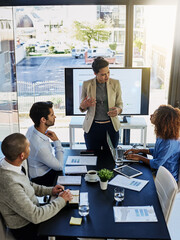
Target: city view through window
[{"x": 49, "y": 39}]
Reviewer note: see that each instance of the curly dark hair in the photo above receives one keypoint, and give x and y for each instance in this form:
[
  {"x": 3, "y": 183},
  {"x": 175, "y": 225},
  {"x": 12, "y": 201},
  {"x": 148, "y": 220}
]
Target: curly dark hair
[{"x": 167, "y": 122}]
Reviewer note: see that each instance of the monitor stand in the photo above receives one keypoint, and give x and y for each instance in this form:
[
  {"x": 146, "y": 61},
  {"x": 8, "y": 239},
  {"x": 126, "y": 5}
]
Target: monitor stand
[
  {"x": 126, "y": 132},
  {"x": 123, "y": 119}
]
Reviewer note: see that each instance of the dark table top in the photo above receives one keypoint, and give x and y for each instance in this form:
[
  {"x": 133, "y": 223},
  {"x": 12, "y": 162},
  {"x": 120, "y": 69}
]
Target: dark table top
[{"x": 100, "y": 221}]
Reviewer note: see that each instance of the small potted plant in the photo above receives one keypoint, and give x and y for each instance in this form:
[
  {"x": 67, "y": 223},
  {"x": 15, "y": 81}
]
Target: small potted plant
[{"x": 104, "y": 175}]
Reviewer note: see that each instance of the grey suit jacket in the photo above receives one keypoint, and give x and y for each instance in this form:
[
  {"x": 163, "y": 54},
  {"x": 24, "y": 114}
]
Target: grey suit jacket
[
  {"x": 114, "y": 100},
  {"x": 18, "y": 202}
]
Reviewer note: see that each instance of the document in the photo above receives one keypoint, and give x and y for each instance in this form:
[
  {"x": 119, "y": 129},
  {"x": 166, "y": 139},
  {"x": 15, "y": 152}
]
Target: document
[
  {"x": 75, "y": 195},
  {"x": 129, "y": 183},
  {"x": 69, "y": 180},
  {"x": 134, "y": 214},
  {"x": 82, "y": 160},
  {"x": 84, "y": 198},
  {"x": 75, "y": 169}
]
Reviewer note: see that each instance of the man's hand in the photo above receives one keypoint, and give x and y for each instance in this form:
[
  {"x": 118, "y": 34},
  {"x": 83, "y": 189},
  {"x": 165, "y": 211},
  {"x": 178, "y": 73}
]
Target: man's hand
[
  {"x": 51, "y": 135},
  {"x": 114, "y": 111},
  {"x": 57, "y": 189},
  {"x": 87, "y": 102},
  {"x": 66, "y": 195}
]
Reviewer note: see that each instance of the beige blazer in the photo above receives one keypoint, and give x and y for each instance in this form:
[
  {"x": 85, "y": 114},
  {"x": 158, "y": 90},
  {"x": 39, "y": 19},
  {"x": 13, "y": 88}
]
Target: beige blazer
[{"x": 114, "y": 100}]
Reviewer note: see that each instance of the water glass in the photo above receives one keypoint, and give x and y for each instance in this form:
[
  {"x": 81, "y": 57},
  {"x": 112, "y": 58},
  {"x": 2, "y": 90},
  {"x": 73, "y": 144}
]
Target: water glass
[
  {"x": 83, "y": 204},
  {"x": 119, "y": 194},
  {"x": 84, "y": 209},
  {"x": 118, "y": 157}
]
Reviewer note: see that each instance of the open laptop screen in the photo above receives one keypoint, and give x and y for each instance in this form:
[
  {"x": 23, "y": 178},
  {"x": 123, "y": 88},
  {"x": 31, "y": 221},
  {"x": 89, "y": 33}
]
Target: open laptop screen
[
  {"x": 111, "y": 147},
  {"x": 119, "y": 151}
]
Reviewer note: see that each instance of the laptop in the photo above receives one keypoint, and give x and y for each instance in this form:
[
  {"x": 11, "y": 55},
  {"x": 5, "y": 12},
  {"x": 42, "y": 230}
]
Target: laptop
[{"x": 118, "y": 153}]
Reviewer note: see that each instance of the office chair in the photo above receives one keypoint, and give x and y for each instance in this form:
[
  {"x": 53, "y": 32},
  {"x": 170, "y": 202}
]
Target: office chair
[
  {"x": 167, "y": 189},
  {"x": 5, "y": 234},
  {"x": 179, "y": 180}
]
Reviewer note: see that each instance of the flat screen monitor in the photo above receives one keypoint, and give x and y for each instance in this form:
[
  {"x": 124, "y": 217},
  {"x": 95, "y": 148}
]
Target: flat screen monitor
[{"x": 134, "y": 83}]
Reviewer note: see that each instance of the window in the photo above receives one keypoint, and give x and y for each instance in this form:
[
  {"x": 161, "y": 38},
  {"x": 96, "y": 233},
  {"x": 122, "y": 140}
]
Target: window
[
  {"x": 45, "y": 37},
  {"x": 81, "y": 29},
  {"x": 152, "y": 46},
  {"x": 8, "y": 95}
]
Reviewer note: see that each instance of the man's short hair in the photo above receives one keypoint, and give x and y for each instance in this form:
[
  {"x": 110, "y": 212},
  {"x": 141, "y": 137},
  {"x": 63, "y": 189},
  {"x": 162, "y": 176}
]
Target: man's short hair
[
  {"x": 99, "y": 63},
  {"x": 39, "y": 110},
  {"x": 13, "y": 145}
]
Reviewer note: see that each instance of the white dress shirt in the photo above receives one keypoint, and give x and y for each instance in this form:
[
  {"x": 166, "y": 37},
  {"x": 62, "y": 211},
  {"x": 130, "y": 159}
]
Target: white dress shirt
[
  {"x": 4, "y": 164},
  {"x": 41, "y": 158}
]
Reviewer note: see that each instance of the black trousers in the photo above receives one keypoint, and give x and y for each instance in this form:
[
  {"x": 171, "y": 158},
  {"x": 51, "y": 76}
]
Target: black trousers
[
  {"x": 49, "y": 179},
  {"x": 29, "y": 232},
  {"x": 97, "y": 136}
]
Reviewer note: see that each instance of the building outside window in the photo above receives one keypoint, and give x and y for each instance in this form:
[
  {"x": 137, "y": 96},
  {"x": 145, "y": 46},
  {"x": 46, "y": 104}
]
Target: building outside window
[
  {"x": 153, "y": 35},
  {"x": 44, "y": 39},
  {"x": 8, "y": 91}
]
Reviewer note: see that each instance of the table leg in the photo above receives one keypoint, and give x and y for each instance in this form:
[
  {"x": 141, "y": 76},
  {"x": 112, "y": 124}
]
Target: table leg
[
  {"x": 145, "y": 136},
  {"x": 126, "y": 137},
  {"x": 142, "y": 136},
  {"x": 71, "y": 137}
]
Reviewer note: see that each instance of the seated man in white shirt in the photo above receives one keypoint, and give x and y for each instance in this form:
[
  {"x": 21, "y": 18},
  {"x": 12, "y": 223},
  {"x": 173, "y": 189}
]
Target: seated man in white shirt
[
  {"x": 43, "y": 164},
  {"x": 19, "y": 205}
]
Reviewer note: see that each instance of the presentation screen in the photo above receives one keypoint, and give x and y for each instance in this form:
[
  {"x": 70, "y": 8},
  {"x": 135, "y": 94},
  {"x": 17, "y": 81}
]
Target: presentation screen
[{"x": 134, "y": 85}]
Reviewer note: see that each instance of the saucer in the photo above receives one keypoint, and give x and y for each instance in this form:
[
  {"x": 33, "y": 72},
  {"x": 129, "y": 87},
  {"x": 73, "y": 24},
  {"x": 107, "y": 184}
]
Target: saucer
[{"x": 93, "y": 180}]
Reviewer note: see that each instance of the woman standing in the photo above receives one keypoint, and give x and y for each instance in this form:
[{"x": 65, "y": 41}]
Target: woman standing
[
  {"x": 101, "y": 98},
  {"x": 167, "y": 148}
]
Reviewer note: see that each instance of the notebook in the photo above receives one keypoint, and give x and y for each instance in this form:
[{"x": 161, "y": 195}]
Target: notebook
[
  {"x": 119, "y": 151},
  {"x": 69, "y": 180},
  {"x": 75, "y": 169}
]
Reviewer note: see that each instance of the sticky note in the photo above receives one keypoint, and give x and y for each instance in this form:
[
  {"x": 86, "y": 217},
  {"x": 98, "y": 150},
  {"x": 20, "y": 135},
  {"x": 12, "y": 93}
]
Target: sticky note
[{"x": 75, "y": 221}]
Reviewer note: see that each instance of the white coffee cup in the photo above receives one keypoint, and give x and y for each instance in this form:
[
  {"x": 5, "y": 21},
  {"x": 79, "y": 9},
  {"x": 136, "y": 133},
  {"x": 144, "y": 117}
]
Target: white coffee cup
[{"x": 92, "y": 175}]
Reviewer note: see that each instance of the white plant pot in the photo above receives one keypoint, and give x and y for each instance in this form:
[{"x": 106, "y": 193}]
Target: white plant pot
[{"x": 103, "y": 185}]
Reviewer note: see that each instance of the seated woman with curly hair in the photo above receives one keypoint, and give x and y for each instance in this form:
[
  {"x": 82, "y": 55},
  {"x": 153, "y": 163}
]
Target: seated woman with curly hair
[{"x": 167, "y": 148}]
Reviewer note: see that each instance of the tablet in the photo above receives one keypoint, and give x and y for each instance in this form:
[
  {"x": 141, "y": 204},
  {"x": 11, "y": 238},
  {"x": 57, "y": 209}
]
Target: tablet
[
  {"x": 87, "y": 153},
  {"x": 128, "y": 171}
]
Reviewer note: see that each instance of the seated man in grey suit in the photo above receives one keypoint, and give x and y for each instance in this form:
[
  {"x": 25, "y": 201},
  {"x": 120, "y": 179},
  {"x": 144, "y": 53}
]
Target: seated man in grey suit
[{"x": 19, "y": 205}]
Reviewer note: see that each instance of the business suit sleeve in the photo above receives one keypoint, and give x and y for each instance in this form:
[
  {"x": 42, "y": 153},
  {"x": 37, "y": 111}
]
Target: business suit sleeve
[
  {"x": 84, "y": 91},
  {"x": 23, "y": 205},
  {"x": 119, "y": 102},
  {"x": 20, "y": 203},
  {"x": 83, "y": 95}
]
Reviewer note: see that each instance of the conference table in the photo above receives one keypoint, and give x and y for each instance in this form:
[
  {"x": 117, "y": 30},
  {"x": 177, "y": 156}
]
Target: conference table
[{"x": 100, "y": 221}]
